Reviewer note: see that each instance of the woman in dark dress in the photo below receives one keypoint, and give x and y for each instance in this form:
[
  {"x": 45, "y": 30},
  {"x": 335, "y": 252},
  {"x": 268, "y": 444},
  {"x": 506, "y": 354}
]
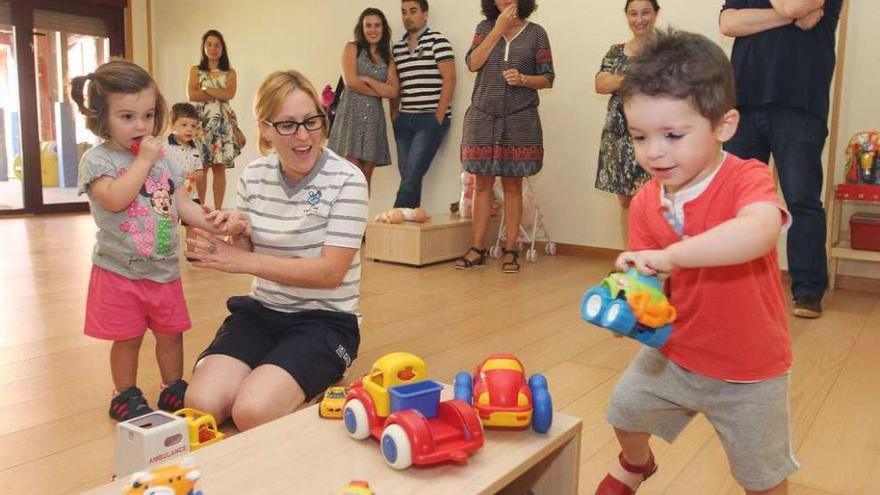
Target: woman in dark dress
[{"x": 502, "y": 129}]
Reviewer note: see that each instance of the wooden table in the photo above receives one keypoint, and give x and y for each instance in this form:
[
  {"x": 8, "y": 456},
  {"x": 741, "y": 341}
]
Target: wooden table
[
  {"x": 302, "y": 453},
  {"x": 444, "y": 237}
]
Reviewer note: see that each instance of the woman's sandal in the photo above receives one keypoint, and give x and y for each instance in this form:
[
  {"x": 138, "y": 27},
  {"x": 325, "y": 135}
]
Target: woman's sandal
[
  {"x": 464, "y": 262},
  {"x": 511, "y": 266},
  {"x": 612, "y": 486}
]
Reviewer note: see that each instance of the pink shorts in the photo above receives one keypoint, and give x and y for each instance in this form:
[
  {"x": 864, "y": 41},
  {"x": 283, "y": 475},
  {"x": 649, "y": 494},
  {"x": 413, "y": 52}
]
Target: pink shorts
[{"x": 119, "y": 308}]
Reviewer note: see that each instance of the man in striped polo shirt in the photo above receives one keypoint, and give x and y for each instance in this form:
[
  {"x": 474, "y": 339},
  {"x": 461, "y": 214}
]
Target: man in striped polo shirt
[{"x": 421, "y": 115}]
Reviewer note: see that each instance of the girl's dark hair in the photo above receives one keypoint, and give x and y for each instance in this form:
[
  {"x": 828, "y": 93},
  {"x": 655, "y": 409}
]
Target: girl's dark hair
[
  {"x": 524, "y": 8},
  {"x": 384, "y": 45},
  {"x": 223, "y": 63},
  {"x": 653, "y": 4},
  {"x": 685, "y": 66},
  {"x": 114, "y": 77}
]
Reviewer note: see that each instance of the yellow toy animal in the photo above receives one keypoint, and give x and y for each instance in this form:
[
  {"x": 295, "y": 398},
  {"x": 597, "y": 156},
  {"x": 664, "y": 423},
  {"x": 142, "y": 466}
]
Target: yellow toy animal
[{"x": 174, "y": 479}]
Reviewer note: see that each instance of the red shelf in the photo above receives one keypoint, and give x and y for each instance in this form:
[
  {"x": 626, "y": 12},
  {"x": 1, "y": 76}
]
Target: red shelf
[{"x": 858, "y": 192}]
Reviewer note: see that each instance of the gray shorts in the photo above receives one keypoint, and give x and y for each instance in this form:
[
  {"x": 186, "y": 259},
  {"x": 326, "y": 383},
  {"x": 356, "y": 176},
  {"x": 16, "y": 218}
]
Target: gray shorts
[{"x": 659, "y": 397}]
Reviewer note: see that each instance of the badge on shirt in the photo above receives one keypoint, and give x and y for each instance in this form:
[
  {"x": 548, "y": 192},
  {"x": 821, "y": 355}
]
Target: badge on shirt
[{"x": 314, "y": 201}]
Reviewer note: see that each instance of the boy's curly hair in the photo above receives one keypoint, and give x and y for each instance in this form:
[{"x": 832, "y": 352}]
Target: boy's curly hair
[{"x": 683, "y": 65}]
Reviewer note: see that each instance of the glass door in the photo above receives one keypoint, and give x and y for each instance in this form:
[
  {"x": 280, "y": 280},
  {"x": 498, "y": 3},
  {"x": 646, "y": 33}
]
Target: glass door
[
  {"x": 11, "y": 197},
  {"x": 65, "y": 46},
  {"x": 43, "y": 45}
]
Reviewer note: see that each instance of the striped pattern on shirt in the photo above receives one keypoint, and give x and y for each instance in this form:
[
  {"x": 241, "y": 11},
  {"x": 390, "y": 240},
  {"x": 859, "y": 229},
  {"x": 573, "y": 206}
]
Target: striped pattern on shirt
[
  {"x": 420, "y": 80},
  {"x": 328, "y": 207}
]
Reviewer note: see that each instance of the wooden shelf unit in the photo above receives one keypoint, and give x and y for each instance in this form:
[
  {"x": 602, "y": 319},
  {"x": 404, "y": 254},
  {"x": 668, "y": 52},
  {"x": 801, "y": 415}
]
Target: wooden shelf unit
[{"x": 839, "y": 244}]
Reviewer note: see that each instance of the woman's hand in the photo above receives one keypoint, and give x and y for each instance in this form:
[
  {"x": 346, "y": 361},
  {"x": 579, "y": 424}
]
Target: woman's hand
[
  {"x": 514, "y": 77},
  {"x": 216, "y": 254},
  {"x": 506, "y": 19}
]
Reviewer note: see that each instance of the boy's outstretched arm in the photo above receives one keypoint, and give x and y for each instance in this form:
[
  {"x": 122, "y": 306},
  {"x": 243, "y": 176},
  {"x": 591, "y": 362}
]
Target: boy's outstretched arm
[{"x": 752, "y": 234}]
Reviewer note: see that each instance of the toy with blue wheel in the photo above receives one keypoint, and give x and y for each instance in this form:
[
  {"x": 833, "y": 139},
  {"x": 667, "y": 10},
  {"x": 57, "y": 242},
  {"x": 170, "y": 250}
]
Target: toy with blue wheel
[{"x": 630, "y": 304}]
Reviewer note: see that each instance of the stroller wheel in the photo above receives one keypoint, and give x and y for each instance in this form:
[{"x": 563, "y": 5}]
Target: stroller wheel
[
  {"x": 495, "y": 252},
  {"x": 532, "y": 255},
  {"x": 550, "y": 248}
]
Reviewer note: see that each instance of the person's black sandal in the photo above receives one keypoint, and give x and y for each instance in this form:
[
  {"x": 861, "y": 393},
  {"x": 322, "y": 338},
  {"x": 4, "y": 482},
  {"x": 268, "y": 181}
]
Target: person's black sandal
[
  {"x": 511, "y": 266},
  {"x": 464, "y": 262}
]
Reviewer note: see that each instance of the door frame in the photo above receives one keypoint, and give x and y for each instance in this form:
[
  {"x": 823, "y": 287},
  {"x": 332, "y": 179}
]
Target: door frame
[{"x": 113, "y": 14}]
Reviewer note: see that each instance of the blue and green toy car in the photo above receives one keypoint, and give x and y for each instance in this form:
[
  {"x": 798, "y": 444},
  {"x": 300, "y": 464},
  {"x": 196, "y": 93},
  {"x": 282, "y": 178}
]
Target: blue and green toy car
[{"x": 632, "y": 305}]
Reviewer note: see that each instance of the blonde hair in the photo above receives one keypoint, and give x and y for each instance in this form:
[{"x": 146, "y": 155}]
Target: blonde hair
[
  {"x": 114, "y": 77},
  {"x": 272, "y": 93}
]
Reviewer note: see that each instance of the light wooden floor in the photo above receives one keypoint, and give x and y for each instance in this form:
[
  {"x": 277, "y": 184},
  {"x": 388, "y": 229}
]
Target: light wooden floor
[{"x": 55, "y": 436}]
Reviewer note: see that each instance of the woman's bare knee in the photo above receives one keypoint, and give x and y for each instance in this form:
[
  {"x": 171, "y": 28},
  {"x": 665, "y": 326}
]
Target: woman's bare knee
[
  {"x": 215, "y": 385},
  {"x": 268, "y": 393}
]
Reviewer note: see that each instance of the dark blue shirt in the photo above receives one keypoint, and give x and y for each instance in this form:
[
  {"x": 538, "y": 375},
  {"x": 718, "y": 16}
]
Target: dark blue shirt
[{"x": 786, "y": 65}]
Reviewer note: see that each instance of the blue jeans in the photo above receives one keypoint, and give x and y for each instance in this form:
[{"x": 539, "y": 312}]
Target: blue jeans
[
  {"x": 418, "y": 136},
  {"x": 795, "y": 140}
]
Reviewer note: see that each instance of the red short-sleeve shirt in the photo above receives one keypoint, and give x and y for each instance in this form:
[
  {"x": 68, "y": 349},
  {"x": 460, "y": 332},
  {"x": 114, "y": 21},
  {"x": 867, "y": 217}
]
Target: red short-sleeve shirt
[{"x": 732, "y": 321}]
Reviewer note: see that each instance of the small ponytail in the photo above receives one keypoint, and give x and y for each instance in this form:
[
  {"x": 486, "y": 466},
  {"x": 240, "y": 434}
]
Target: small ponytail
[{"x": 77, "y": 94}]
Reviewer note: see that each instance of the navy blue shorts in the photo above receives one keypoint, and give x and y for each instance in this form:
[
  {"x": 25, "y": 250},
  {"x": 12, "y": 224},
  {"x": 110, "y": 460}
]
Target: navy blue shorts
[{"x": 315, "y": 347}]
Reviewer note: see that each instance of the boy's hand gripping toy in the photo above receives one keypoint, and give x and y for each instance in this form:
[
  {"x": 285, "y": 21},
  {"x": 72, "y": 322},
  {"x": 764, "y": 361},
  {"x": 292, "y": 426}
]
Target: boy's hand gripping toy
[{"x": 632, "y": 305}]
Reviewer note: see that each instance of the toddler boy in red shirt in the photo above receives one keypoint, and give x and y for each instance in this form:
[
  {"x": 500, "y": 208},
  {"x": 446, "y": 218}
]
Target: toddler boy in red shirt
[{"x": 711, "y": 221}]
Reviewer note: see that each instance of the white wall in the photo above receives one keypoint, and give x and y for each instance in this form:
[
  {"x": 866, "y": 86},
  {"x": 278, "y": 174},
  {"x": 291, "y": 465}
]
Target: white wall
[{"x": 308, "y": 35}]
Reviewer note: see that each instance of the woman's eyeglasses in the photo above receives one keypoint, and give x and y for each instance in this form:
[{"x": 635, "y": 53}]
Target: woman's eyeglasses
[{"x": 288, "y": 127}]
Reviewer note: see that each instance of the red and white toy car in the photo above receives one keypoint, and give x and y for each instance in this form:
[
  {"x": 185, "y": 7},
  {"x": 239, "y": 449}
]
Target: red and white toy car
[{"x": 502, "y": 398}]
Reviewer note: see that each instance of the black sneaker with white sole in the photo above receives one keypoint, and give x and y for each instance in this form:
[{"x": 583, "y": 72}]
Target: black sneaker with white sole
[{"x": 808, "y": 306}]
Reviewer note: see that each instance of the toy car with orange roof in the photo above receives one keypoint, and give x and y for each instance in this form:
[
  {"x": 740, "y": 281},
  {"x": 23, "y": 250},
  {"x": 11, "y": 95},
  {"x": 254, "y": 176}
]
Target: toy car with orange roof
[{"x": 631, "y": 304}]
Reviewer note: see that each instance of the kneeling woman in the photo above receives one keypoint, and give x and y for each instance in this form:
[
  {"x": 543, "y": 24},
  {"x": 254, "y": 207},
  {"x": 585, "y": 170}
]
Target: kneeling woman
[{"x": 297, "y": 332}]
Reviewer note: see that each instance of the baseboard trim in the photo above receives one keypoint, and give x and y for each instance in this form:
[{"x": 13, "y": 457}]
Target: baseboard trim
[
  {"x": 582, "y": 251},
  {"x": 845, "y": 282},
  {"x": 859, "y": 284}
]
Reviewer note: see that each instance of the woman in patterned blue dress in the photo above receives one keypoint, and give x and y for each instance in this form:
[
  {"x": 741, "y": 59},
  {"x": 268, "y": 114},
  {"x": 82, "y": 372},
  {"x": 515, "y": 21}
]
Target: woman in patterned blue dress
[
  {"x": 619, "y": 172},
  {"x": 368, "y": 69}
]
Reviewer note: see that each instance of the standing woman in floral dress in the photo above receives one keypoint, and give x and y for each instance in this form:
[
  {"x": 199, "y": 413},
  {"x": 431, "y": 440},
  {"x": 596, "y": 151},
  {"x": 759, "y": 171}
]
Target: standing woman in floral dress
[
  {"x": 618, "y": 171},
  {"x": 211, "y": 86}
]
